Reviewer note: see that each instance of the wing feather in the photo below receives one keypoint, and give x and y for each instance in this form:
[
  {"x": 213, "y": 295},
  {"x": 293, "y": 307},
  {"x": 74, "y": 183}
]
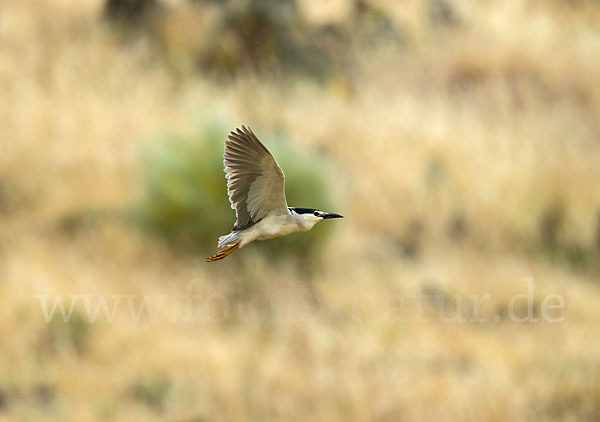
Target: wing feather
[{"x": 255, "y": 183}]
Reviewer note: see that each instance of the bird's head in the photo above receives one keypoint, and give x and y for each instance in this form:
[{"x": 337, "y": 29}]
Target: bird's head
[{"x": 312, "y": 216}]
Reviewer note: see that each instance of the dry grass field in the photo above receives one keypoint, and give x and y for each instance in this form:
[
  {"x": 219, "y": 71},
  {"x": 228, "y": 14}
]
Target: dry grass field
[{"x": 463, "y": 283}]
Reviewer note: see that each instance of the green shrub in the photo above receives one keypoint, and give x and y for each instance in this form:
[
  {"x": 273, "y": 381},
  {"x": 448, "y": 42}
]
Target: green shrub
[
  {"x": 184, "y": 193},
  {"x": 68, "y": 336},
  {"x": 152, "y": 391}
]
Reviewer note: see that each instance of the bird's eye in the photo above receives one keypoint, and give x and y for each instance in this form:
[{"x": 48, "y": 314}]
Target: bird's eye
[{"x": 316, "y": 213}]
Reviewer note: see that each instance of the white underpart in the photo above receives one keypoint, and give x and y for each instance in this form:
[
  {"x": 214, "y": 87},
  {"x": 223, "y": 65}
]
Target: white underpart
[{"x": 271, "y": 227}]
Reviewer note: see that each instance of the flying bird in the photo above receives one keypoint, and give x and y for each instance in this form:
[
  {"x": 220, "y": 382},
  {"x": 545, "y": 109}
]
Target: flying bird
[{"x": 255, "y": 186}]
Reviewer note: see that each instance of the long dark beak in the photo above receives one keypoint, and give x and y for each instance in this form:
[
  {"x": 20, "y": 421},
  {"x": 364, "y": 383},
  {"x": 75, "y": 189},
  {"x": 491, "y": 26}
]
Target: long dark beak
[{"x": 331, "y": 215}]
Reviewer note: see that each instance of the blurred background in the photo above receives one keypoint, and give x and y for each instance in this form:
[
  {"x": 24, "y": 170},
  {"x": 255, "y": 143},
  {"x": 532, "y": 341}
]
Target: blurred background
[{"x": 460, "y": 140}]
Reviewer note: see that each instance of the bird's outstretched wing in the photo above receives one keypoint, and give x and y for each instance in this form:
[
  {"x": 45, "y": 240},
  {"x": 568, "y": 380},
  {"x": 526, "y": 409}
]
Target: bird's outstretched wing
[{"x": 255, "y": 183}]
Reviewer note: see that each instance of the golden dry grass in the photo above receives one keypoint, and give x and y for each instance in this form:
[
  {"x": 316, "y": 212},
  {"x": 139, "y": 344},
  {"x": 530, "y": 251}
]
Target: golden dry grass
[{"x": 449, "y": 159}]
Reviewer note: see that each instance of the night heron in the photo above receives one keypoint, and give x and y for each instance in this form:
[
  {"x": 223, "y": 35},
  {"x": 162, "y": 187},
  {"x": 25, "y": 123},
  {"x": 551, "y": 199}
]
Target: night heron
[{"x": 255, "y": 186}]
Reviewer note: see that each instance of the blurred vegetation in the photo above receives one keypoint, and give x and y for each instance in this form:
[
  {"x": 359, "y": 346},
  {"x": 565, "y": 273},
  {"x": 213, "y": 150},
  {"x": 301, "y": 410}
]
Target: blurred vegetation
[
  {"x": 554, "y": 245},
  {"x": 131, "y": 12},
  {"x": 152, "y": 391},
  {"x": 232, "y": 37},
  {"x": 70, "y": 337},
  {"x": 184, "y": 198}
]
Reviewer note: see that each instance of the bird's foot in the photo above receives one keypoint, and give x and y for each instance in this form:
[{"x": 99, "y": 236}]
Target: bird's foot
[{"x": 222, "y": 253}]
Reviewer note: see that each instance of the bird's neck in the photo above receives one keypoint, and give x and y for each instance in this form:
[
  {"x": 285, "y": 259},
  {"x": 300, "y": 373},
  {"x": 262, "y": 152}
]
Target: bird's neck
[{"x": 305, "y": 221}]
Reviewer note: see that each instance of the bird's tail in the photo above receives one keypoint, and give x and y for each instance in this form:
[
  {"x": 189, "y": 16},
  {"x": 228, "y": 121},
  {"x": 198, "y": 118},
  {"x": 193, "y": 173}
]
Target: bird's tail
[
  {"x": 222, "y": 253},
  {"x": 229, "y": 238}
]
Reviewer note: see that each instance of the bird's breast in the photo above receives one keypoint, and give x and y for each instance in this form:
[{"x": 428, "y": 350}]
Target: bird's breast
[{"x": 277, "y": 226}]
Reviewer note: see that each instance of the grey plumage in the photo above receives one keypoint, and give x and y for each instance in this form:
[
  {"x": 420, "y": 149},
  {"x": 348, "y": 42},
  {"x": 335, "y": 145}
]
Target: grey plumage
[{"x": 255, "y": 183}]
